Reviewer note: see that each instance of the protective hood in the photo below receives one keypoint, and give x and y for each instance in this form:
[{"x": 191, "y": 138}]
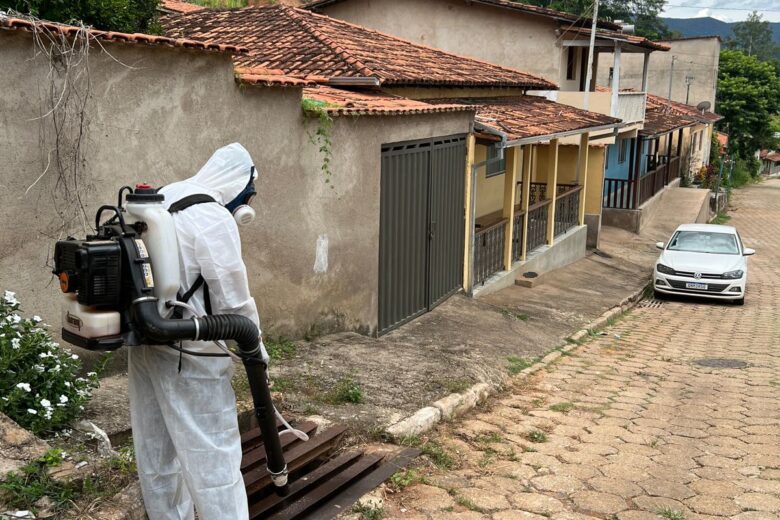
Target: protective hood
[{"x": 224, "y": 176}]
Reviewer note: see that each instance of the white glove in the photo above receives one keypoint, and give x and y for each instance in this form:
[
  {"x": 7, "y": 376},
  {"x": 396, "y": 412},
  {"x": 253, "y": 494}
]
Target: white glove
[{"x": 263, "y": 352}]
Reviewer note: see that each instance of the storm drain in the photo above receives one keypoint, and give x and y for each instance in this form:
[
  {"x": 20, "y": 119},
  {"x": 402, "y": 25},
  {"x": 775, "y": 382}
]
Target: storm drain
[
  {"x": 323, "y": 480},
  {"x": 651, "y": 303},
  {"x": 721, "y": 363}
]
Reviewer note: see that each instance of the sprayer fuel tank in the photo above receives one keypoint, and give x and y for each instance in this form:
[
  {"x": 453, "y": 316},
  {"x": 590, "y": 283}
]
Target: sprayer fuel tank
[
  {"x": 88, "y": 322},
  {"x": 145, "y": 205}
]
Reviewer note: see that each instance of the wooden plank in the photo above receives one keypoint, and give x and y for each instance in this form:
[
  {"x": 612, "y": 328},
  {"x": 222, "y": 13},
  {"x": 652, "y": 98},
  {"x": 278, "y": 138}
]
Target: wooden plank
[
  {"x": 252, "y": 437},
  {"x": 256, "y": 455},
  {"x": 300, "y": 455},
  {"x": 341, "y": 502},
  {"x": 333, "y": 485},
  {"x": 304, "y": 484}
]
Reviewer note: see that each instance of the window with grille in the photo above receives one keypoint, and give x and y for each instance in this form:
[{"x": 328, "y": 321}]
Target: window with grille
[
  {"x": 622, "y": 150},
  {"x": 495, "y": 166}
]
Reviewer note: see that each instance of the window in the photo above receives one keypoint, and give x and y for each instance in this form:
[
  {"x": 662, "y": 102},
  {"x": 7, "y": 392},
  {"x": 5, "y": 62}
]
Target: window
[
  {"x": 494, "y": 165},
  {"x": 622, "y": 150},
  {"x": 606, "y": 157},
  {"x": 571, "y": 63}
]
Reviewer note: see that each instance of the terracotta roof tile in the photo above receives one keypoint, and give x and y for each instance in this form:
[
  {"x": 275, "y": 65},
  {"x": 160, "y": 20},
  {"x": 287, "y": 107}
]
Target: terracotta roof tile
[
  {"x": 521, "y": 117},
  {"x": 663, "y": 115},
  {"x": 177, "y": 6},
  {"x": 505, "y": 4},
  {"x": 305, "y": 44},
  {"x": 342, "y": 102},
  {"x": 269, "y": 78},
  {"x": 10, "y": 23},
  {"x": 622, "y": 37},
  {"x": 774, "y": 157}
]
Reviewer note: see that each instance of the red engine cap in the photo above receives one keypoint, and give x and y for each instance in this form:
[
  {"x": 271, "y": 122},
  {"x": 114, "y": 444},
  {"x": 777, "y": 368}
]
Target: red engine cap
[{"x": 143, "y": 186}]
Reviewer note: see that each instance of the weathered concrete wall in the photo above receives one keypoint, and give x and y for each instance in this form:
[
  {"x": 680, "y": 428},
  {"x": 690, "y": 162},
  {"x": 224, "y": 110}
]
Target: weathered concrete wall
[
  {"x": 696, "y": 58},
  {"x": 156, "y": 114},
  {"x": 515, "y": 40}
]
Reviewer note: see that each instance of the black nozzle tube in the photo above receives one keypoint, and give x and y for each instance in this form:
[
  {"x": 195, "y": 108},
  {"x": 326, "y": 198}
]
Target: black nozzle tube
[{"x": 244, "y": 332}]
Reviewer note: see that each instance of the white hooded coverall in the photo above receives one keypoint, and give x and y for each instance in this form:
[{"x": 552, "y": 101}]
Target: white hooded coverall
[{"x": 185, "y": 429}]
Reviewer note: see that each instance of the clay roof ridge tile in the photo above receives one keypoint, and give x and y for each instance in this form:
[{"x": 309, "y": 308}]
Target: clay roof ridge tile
[{"x": 299, "y": 16}]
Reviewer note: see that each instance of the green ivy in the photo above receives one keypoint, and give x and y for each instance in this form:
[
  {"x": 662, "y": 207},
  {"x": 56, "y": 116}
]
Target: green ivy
[
  {"x": 322, "y": 136},
  {"x": 40, "y": 388}
]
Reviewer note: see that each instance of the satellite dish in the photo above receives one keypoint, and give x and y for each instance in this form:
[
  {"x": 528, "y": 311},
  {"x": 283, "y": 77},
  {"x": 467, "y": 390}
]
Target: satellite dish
[{"x": 703, "y": 106}]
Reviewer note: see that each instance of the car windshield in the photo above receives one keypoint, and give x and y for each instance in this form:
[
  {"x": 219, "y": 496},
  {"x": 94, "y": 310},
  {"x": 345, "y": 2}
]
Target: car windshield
[{"x": 704, "y": 242}]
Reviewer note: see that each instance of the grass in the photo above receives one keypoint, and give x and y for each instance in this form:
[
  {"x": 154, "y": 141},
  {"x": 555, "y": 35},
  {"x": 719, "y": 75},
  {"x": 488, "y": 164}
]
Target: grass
[
  {"x": 432, "y": 449},
  {"x": 346, "y": 390},
  {"x": 282, "y": 384},
  {"x": 369, "y": 511},
  {"x": 537, "y": 436},
  {"x": 562, "y": 407},
  {"x": 488, "y": 456},
  {"x": 457, "y": 386},
  {"x": 489, "y": 438},
  {"x": 280, "y": 348},
  {"x": 468, "y": 504},
  {"x": 403, "y": 479},
  {"x": 720, "y": 218},
  {"x": 518, "y": 364},
  {"x": 512, "y": 315},
  {"x": 671, "y": 514}
]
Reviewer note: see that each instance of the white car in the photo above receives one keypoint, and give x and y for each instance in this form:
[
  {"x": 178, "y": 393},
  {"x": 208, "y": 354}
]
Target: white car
[{"x": 704, "y": 260}]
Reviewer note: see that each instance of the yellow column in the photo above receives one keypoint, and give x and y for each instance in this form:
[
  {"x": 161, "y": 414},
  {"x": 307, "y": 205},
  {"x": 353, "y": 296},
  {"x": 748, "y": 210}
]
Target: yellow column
[
  {"x": 552, "y": 183},
  {"x": 513, "y": 157},
  {"x": 525, "y": 194},
  {"x": 468, "y": 205},
  {"x": 582, "y": 174}
]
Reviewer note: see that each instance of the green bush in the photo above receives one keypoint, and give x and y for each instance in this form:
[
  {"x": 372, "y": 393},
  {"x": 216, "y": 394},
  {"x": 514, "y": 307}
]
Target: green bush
[
  {"x": 110, "y": 15},
  {"x": 40, "y": 387}
]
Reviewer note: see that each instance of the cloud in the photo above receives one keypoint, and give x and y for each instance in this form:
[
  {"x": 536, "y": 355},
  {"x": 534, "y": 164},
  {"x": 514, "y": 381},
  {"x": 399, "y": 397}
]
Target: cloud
[{"x": 703, "y": 13}]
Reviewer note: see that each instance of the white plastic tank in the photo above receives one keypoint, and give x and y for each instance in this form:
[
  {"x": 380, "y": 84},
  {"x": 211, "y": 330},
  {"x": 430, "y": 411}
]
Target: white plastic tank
[
  {"x": 145, "y": 205},
  {"x": 89, "y": 322}
]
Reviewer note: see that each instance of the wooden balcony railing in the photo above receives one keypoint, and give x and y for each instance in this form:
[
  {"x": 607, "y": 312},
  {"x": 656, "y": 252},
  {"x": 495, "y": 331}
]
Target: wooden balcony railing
[
  {"x": 489, "y": 251},
  {"x": 567, "y": 210},
  {"x": 622, "y": 193}
]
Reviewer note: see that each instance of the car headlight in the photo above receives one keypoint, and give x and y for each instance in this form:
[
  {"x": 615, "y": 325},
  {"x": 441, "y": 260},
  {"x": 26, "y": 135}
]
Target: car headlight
[
  {"x": 661, "y": 268},
  {"x": 733, "y": 275}
]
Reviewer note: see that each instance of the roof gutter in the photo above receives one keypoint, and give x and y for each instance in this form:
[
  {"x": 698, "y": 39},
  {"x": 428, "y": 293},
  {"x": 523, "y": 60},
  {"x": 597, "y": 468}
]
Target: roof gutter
[{"x": 559, "y": 135}]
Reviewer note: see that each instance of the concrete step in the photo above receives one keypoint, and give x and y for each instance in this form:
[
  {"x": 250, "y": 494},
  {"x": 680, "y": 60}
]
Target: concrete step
[{"x": 530, "y": 279}]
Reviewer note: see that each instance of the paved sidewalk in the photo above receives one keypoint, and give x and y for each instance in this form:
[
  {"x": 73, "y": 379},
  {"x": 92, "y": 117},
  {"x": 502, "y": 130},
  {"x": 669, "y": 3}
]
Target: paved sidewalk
[{"x": 632, "y": 426}]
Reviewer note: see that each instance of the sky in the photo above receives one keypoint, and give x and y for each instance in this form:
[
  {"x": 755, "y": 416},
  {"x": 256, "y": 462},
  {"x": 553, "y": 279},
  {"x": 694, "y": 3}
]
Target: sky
[{"x": 726, "y": 10}]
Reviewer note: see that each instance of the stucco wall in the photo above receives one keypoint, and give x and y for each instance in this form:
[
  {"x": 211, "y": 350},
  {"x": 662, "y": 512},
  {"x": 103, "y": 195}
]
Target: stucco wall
[
  {"x": 516, "y": 40},
  {"x": 156, "y": 115},
  {"x": 697, "y": 58}
]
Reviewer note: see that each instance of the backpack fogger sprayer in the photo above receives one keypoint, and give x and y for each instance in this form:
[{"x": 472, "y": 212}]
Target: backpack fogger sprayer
[{"x": 120, "y": 285}]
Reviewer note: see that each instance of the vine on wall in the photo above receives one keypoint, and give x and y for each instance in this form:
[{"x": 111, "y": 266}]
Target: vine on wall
[{"x": 322, "y": 136}]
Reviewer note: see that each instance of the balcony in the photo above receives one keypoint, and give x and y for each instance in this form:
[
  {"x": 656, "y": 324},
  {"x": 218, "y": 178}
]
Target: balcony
[{"x": 630, "y": 105}]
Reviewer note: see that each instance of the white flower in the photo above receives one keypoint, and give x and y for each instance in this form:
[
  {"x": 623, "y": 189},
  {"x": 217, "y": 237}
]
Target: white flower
[
  {"x": 39, "y": 368},
  {"x": 24, "y": 386},
  {"x": 10, "y": 298},
  {"x": 15, "y": 318},
  {"x": 67, "y": 384},
  {"x": 37, "y": 319},
  {"x": 34, "y": 412},
  {"x": 63, "y": 399},
  {"x": 44, "y": 355},
  {"x": 74, "y": 356},
  {"x": 56, "y": 369},
  {"x": 91, "y": 374},
  {"x": 15, "y": 343},
  {"x": 45, "y": 403}
]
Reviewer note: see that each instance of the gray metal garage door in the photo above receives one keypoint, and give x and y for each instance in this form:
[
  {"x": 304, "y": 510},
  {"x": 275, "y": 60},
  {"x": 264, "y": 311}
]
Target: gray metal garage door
[{"x": 421, "y": 227}]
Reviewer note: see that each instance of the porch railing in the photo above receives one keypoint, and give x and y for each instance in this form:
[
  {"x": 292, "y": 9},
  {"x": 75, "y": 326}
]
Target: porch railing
[
  {"x": 517, "y": 235},
  {"x": 620, "y": 193},
  {"x": 537, "y": 224},
  {"x": 538, "y": 191},
  {"x": 489, "y": 251},
  {"x": 567, "y": 210}
]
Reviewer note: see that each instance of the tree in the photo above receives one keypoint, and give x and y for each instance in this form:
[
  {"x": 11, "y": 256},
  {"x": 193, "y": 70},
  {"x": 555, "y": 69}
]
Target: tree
[
  {"x": 754, "y": 37},
  {"x": 110, "y": 15},
  {"x": 642, "y": 13},
  {"x": 749, "y": 98}
]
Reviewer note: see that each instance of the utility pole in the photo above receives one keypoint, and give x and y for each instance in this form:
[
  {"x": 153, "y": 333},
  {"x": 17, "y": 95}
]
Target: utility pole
[
  {"x": 688, "y": 81},
  {"x": 671, "y": 76},
  {"x": 591, "y": 48}
]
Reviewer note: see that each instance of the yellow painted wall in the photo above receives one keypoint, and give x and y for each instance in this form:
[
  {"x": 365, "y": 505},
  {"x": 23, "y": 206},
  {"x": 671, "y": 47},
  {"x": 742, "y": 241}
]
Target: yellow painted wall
[
  {"x": 595, "y": 186},
  {"x": 490, "y": 192}
]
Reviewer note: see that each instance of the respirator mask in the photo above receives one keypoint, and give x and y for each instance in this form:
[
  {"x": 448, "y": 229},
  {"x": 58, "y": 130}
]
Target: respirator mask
[{"x": 240, "y": 207}]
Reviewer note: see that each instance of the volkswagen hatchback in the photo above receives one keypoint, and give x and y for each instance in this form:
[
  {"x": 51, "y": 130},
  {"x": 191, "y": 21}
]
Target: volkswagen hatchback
[{"x": 704, "y": 260}]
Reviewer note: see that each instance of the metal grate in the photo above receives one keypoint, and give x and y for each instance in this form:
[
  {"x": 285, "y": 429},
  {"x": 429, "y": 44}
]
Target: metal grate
[
  {"x": 489, "y": 251},
  {"x": 651, "y": 303},
  {"x": 537, "y": 226},
  {"x": 517, "y": 236},
  {"x": 567, "y": 210}
]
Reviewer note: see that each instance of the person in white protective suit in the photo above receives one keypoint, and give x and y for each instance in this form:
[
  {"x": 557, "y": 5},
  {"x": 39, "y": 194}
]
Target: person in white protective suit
[{"x": 183, "y": 408}]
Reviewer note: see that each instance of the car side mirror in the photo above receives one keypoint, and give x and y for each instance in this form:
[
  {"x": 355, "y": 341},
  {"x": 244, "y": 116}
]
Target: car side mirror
[
  {"x": 660, "y": 245},
  {"x": 747, "y": 251}
]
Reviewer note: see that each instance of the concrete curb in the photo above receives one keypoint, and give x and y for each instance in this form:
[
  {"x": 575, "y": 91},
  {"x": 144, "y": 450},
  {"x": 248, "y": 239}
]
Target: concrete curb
[{"x": 453, "y": 405}]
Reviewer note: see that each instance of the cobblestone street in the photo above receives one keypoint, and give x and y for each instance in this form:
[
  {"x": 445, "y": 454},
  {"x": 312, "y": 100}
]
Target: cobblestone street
[{"x": 634, "y": 424}]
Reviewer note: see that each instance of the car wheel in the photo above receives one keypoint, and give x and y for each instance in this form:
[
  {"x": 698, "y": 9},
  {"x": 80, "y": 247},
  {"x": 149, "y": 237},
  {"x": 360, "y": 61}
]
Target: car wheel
[{"x": 741, "y": 301}]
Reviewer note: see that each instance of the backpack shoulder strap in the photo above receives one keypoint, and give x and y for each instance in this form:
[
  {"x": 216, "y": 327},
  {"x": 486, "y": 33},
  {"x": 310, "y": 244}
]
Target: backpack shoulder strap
[{"x": 191, "y": 200}]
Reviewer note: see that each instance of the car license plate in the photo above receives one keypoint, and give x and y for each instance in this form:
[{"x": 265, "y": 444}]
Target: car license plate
[{"x": 697, "y": 286}]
